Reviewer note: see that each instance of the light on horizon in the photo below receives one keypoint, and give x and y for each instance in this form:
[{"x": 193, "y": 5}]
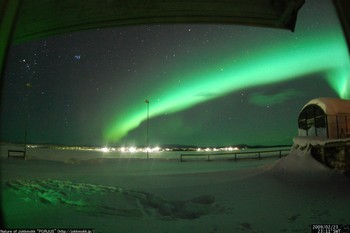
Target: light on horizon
[{"x": 105, "y": 149}]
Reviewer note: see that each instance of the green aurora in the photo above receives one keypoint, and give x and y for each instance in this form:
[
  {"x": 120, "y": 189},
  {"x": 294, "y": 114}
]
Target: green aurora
[{"x": 325, "y": 53}]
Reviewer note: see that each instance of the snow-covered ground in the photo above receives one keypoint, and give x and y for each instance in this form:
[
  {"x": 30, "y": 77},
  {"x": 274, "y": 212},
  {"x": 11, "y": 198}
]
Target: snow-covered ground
[{"x": 71, "y": 189}]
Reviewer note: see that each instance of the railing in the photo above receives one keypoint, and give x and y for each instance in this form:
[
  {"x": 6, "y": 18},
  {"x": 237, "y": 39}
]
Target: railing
[{"x": 233, "y": 155}]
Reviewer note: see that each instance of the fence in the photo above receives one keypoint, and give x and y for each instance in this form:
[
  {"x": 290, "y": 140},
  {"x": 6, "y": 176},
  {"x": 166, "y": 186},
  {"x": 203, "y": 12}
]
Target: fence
[
  {"x": 235, "y": 155},
  {"x": 16, "y": 154}
]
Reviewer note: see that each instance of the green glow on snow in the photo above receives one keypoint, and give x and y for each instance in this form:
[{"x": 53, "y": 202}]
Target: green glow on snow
[{"x": 325, "y": 54}]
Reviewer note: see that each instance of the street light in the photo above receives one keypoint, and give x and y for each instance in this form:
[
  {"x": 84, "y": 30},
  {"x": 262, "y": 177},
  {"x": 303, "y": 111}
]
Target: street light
[{"x": 147, "y": 137}]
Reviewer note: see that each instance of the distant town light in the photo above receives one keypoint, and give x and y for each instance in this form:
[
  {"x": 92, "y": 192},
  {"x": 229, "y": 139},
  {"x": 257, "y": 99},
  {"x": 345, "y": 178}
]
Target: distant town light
[
  {"x": 132, "y": 149},
  {"x": 105, "y": 149}
]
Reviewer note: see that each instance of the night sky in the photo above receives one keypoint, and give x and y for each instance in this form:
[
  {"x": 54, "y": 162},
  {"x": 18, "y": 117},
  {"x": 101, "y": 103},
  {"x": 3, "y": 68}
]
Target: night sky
[{"x": 207, "y": 85}]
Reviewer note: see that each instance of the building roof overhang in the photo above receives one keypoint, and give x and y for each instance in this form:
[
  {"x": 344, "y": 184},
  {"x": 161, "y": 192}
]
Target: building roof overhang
[
  {"x": 41, "y": 18},
  {"x": 331, "y": 106}
]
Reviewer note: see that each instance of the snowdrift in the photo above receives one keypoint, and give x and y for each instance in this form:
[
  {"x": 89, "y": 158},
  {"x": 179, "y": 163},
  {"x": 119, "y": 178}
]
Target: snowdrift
[
  {"x": 301, "y": 167},
  {"x": 114, "y": 201}
]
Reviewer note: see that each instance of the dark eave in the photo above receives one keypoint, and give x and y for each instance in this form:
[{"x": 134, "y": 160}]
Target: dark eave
[{"x": 42, "y": 18}]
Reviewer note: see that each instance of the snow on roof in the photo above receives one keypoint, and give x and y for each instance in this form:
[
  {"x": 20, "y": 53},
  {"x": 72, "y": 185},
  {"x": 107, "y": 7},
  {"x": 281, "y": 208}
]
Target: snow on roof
[
  {"x": 317, "y": 141},
  {"x": 332, "y": 106}
]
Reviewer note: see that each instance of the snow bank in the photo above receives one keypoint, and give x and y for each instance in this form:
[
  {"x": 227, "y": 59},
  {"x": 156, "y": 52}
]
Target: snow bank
[
  {"x": 300, "y": 167},
  {"x": 109, "y": 200},
  {"x": 164, "y": 195}
]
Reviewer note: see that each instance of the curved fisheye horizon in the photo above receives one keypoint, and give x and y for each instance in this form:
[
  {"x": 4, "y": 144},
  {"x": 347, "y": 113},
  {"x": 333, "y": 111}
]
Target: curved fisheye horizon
[
  {"x": 207, "y": 85},
  {"x": 175, "y": 128}
]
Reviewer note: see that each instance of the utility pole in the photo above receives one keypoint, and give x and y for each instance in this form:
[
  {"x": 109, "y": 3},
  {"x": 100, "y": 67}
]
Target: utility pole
[{"x": 147, "y": 133}]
